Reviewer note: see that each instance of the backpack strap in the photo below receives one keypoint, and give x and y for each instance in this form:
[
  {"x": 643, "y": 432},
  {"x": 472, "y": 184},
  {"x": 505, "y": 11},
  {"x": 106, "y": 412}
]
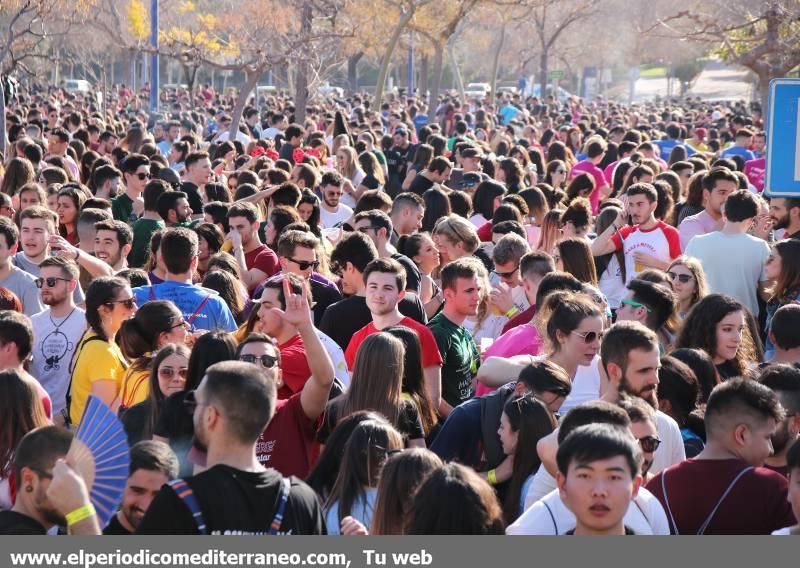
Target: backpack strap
[
  {"x": 197, "y": 311},
  {"x": 710, "y": 517},
  {"x": 185, "y": 494},
  {"x": 283, "y": 498},
  {"x": 72, "y": 362},
  {"x": 552, "y": 517}
]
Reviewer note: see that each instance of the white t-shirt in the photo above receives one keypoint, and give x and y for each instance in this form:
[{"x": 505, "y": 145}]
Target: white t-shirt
[
  {"x": 330, "y": 219},
  {"x": 662, "y": 242},
  {"x": 53, "y": 350},
  {"x": 611, "y": 283},
  {"x": 733, "y": 264},
  {"x": 337, "y": 358},
  {"x": 550, "y": 516},
  {"x": 347, "y": 198},
  {"x": 585, "y": 386}
]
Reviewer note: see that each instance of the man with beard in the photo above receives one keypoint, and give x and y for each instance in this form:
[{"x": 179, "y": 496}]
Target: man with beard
[
  {"x": 173, "y": 207},
  {"x": 785, "y": 214},
  {"x": 50, "y": 491},
  {"x": 649, "y": 243},
  {"x": 112, "y": 243},
  {"x": 726, "y": 489},
  {"x": 152, "y": 465},
  {"x": 58, "y": 329},
  {"x": 331, "y": 211},
  {"x": 784, "y": 380},
  {"x": 235, "y": 495}
]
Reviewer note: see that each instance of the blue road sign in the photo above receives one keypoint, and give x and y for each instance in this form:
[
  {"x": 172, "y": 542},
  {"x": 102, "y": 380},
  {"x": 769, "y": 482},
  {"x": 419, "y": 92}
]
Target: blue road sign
[{"x": 783, "y": 139}]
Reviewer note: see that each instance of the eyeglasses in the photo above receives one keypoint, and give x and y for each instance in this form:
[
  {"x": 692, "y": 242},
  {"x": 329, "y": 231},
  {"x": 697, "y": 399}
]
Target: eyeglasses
[
  {"x": 51, "y": 281},
  {"x": 683, "y": 278},
  {"x": 183, "y": 323},
  {"x": 169, "y": 372},
  {"x": 507, "y": 274},
  {"x": 130, "y": 303},
  {"x": 649, "y": 444},
  {"x": 590, "y": 336},
  {"x": 634, "y": 304},
  {"x": 304, "y": 264},
  {"x": 267, "y": 361},
  {"x": 142, "y": 176}
]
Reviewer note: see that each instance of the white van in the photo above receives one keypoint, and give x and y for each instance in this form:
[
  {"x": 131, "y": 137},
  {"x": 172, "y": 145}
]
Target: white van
[{"x": 77, "y": 85}]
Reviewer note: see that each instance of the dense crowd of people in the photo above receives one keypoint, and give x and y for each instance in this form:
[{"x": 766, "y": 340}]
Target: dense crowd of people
[{"x": 506, "y": 316}]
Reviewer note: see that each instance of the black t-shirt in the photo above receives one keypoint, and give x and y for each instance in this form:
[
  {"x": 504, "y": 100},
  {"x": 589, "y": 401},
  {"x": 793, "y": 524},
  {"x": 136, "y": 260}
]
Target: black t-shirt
[
  {"x": 12, "y": 522},
  {"x": 134, "y": 419},
  {"x": 409, "y": 423},
  {"x": 323, "y": 296},
  {"x": 370, "y": 182},
  {"x": 287, "y": 152},
  {"x": 114, "y": 527},
  {"x": 420, "y": 185},
  {"x": 413, "y": 278},
  {"x": 727, "y": 370},
  {"x": 342, "y": 319},
  {"x": 235, "y": 502}
]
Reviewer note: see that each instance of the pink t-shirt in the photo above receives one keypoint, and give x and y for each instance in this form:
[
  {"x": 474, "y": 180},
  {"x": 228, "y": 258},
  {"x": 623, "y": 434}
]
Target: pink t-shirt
[
  {"x": 756, "y": 170},
  {"x": 661, "y": 242},
  {"x": 700, "y": 224},
  {"x": 599, "y": 180},
  {"x": 520, "y": 340}
]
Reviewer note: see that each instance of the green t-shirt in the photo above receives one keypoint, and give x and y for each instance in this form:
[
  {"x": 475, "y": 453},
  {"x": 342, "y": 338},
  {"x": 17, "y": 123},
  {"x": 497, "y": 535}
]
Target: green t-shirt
[
  {"x": 143, "y": 229},
  {"x": 122, "y": 208},
  {"x": 460, "y": 359}
]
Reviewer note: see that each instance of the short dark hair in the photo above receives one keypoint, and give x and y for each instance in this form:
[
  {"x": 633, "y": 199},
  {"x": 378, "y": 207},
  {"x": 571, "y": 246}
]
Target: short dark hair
[
  {"x": 295, "y": 283},
  {"x": 658, "y": 298},
  {"x": 244, "y": 209},
  {"x": 373, "y": 199},
  {"x": 152, "y": 192},
  {"x": 168, "y": 201},
  {"x": 293, "y": 131},
  {"x": 439, "y": 164},
  {"x": 784, "y": 380},
  {"x": 622, "y": 338},
  {"x": 287, "y": 194},
  {"x": 387, "y": 266},
  {"x": 468, "y": 267},
  {"x": 153, "y": 456},
  {"x": 742, "y": 400},
  {"x": 178, "y": 247},
  {"x": 16, "y": 328},
  {"x": 123, "y": 231},
  {"x": 133, "y": 162},
  {"x": 407, "y": 200},
  {"x": 740, "y": 206},
  {"x": 555, "y": 281},
  {"x": 91, "y": 216},
  {"x": 247, "y": 397},
  {"x": 331, "y": 178},
  {"x": 193, "y": 158},
  {"x": 10, "y": 231},
  {"x": 377, "y": 219},
  {"x": 102, "y": 174},
  {"x": 218, "y": 212},
  {"x": 784, "y": 326},
  {"x": 596, "y": 148},
  {"x": 69, "y": 269},
  {"x": 536, "y": 263},
  {"x": 646, "y": 189},
  {"x": 716, "y": 174},
  {"x": 355, "y": 248},
  {"x": 40, "y": 448},
  {"x": 291, "y": 239},
  {"x": 595, "y": 442},
  {"x": 592, "y": 412}
]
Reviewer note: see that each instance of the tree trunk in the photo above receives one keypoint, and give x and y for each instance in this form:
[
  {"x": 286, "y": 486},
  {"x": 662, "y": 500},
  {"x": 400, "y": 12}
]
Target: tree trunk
[
  {"x": 424, "y": 70},
  {"x": 301, "y": 93},
  {"x": 387, "y": 56},
  {"x": 251, "y": 80},
  {"x": 544, "y": 60},
  {"x": 2, "y": 119},
  {"x": 438, "y": 66},
  {"x": 763, "y": 91},
  {"x": 457, "y": 72},
  {"x": 496, "y": 62},
  {"x": 352, "y": 70}
]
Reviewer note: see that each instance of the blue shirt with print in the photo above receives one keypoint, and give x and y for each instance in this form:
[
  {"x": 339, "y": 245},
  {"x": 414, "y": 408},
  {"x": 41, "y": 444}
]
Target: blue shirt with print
[
  {"x": 739, "y": 151},
  {"x": 213, "y": 315},
  {"x": 667, "y": 145}
]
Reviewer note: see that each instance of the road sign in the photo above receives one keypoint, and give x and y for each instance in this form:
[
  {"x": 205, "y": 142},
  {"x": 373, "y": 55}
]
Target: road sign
[
  {"x": 556, "y": 74},
  {"x": 783, "y": 139}
]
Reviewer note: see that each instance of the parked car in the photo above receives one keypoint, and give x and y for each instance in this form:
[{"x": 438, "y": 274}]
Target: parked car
[
  {"x": 326, "y": 90},
  {"x": 77, "y": 86},
  {"x": 474, "y": 90}
]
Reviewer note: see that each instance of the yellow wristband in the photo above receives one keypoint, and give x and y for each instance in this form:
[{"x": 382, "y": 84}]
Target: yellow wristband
[
  {"x": 491, "y": 477},
  {"x": 80, "y": 514},
  {"x": 512, "y": 312}
]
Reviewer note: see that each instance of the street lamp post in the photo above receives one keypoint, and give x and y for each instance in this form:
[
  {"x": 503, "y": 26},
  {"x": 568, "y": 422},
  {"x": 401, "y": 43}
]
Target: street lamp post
[{"x": 154, "y": 60}]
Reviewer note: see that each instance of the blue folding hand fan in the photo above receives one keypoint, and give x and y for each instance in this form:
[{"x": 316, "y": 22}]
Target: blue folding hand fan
[{"x": 100, "y": 453}]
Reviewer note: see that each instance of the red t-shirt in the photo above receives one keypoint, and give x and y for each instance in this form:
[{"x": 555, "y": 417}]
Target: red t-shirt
[
  {"x": 485, "y": 232},
  {"x": 755, "y": 505},
  {"x": 430, "y": 351},
  {"x": 264, "y": 259},
  {"x": 294, "y": 367},
  {"x": 289, "y": 442}
]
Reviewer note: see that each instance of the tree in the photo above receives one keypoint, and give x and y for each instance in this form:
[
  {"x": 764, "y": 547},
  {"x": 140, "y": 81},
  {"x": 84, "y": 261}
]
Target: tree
[{"x": 764, "y": 38}]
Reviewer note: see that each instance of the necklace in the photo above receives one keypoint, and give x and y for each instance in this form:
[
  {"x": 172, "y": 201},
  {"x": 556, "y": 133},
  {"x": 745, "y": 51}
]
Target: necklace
[{"x": 55, "y": 325}]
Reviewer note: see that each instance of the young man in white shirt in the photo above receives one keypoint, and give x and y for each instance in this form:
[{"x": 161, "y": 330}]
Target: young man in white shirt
[{"x": 331, "y": 211}]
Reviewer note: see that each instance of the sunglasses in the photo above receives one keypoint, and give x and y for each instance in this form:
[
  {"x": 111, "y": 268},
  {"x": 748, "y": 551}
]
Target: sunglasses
[
  {"x": 267, "y": 361},
  {"x": 634, "y": 304},
  {"x": 51, "y": 281},
  {"x": 683, "y": 278},
  {"x": 507, "y": 274},
  {"x": 305, "y": 264},
  {"x": 142, "y": 176},
  {"x": 169, "y": 372},
  {"x": 590, "y": 336},
  {"x": 130, "y": 303},
  {"x": 649, "y": 444}
]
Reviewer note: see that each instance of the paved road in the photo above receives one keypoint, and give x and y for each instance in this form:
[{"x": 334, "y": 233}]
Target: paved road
[{"x": 721, "y": 82}]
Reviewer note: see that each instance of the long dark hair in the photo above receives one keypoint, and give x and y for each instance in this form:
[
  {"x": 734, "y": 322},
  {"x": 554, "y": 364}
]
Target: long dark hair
[
  {"x": 313, "y": 222},
  {"x": 323, "y": 476},
  {"x": 437, "y": 205},
  {"x": 532, "y": 420},
  {"x": 364, "y": 455},
  {"x": 414, "y": 376},
  {"x": 210, "y": 348},
  {"x": 21, "y": 411},
  {"x": 138, "y": 336},
  {"x": 100, "y": 292},
  {"x": 228, "y": 289},
  {"x": 787, "y": 285},
  {"x": 155, "y": 397}
]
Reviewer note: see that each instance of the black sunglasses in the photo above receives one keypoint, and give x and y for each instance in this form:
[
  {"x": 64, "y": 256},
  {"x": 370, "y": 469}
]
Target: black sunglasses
[
  {"x": 267, "y": 361},
  {"x": 507, "y": 274},
  {"x": 683, "y": 278},
  {"x": 50, "y": 281},
  {"x": 304, "y": 264},
  {"x": 130, "y": 303},
  {"x": 649, "y": 444},
  {"x": 142, "y": 176}
]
